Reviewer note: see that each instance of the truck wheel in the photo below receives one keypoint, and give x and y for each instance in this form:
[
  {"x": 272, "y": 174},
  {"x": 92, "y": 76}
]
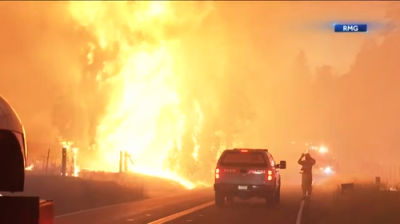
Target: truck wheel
[
  {"x": 278, "y": 195},
  {"x": 271, "y": 199},
  {"x": 219, "y": 199}
]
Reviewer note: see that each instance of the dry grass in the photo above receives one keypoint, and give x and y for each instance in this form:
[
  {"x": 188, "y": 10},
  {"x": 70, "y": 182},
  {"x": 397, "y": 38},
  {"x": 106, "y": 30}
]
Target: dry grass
[
  {"x": 72, "y": 194},
  {"x": 152, "y": 185},
  {"x": 366, "y": 204}
]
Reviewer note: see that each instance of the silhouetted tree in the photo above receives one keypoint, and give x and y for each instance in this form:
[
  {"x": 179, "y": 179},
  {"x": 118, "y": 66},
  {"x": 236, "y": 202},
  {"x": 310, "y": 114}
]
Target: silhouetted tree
[
  {"x": 324, "y": 76},
  {"x": 301, "y": 74},
  {"x": 226, "y": 109},
  {"x": 173, "y": 158},
  {"x": 368, "y": 118},
  {"x": 393, "y": 13},
  {"x": 209, "y": 147},
  {"x": 297, "y": 100},
  {"x": 324, "y": 104}
]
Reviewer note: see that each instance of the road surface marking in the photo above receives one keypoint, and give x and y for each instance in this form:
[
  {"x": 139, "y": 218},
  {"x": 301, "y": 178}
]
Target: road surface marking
[
  {"x": 94, "y": 209},
  {"x": 298, "y": 220},
  {"x": 124, "y": 203},
  {"x": 183, "y": 213}
]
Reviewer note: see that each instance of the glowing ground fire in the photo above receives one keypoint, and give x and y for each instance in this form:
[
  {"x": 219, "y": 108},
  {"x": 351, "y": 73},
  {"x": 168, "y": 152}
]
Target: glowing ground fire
[{"x": 142, "y": 82}]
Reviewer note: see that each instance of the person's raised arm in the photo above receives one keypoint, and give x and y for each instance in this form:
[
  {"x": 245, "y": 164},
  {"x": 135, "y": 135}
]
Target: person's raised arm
[{"x": 300, "y": 160}]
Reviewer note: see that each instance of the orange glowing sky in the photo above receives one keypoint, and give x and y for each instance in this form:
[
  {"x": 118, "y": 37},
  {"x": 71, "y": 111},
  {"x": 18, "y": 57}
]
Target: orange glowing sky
[
  {"x": 41, "y": 54},
  {"x": 281, "y": 29}
]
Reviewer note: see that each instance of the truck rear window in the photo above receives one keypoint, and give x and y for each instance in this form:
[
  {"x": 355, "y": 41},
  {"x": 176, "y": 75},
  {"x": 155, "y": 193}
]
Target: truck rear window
[{"x": 243, "y": 159}]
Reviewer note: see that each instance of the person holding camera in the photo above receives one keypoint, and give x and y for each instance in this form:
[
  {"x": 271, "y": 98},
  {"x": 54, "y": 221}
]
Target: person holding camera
[{"x": 307, "y": 163}]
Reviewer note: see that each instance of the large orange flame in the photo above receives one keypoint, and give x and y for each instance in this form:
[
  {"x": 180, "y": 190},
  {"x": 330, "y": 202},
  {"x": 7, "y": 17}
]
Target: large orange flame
[{"x": 143, "y": 80}]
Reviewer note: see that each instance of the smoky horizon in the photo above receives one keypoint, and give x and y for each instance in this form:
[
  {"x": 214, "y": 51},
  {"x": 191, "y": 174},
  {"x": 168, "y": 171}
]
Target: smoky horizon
[{"x": 176, "y": 83}]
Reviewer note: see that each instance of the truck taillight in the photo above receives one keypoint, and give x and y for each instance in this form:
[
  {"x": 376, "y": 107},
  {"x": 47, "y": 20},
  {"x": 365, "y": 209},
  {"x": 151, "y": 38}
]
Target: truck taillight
[
  {"x": 257, "y": 171},
  {"x": 217, "y": 173},
  {"x": 269, "y": 175}
]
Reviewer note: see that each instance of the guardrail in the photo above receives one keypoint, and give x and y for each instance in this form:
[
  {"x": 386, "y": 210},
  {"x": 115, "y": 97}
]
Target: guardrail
[{"x": 349, "y": 188}]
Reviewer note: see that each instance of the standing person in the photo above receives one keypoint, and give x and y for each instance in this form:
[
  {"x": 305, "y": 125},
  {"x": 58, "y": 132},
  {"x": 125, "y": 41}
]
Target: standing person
[{"x": 306, "y": 176}]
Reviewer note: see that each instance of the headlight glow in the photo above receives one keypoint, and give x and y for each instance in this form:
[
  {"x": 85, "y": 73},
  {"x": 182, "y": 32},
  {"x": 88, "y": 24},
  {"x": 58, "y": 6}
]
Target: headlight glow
[{"x": 328, "y": 170}]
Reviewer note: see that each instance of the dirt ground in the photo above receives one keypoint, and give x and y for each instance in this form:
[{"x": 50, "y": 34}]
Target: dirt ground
[
  {"x": 71, "y": 194},
  {"x": 363, "y": 205},
  {"x": 366, "y": 207}
]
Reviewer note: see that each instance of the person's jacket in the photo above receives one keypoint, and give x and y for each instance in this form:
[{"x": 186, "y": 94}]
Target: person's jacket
[{"x": 307, "y": 165}]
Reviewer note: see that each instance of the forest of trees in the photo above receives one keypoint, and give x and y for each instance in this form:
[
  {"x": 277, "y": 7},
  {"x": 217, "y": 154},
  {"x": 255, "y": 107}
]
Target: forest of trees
[{"x": 356, "y": 114}]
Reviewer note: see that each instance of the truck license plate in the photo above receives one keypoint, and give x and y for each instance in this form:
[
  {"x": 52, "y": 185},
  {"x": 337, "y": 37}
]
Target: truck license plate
[{"x": 242, "y": 187}]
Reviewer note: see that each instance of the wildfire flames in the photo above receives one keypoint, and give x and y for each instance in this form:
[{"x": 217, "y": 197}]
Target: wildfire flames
[
  {"x": 72, "y": 154},
  {"x": 75, "y": 172},
  {"x": 30, "y": 167},
  {"x": 144, "y": 114}
]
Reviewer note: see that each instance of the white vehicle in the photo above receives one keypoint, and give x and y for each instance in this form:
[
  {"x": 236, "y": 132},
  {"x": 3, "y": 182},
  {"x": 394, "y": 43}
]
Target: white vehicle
[{"x": 12, "y": 149}]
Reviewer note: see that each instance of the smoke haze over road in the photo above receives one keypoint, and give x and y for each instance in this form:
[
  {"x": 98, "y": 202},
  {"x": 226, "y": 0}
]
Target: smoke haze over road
[{"x": 175, "y": 83}]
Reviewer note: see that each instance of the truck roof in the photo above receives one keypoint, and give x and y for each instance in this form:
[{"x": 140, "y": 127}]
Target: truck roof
[{"x": 250, "y": 149}]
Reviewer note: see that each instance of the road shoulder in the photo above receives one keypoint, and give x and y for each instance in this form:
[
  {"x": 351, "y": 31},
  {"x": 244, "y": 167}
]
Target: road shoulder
[{"x": 364, "y": 206}]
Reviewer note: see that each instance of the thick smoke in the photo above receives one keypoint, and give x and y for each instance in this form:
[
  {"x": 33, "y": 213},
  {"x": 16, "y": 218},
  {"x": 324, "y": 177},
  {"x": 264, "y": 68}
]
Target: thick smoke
[
  {"x": 40, "y": 61},
  {"x": 44, "y": 74},
  {"x": 239, "y": 68}
]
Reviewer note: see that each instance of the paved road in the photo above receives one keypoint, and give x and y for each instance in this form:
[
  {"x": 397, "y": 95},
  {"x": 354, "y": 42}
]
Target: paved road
[
  {"x": 252, "y": 211},
  {"x": 154, "y": 208},
  {"x": 323, "y": 208},
  {"x": 143, "y": 212}
]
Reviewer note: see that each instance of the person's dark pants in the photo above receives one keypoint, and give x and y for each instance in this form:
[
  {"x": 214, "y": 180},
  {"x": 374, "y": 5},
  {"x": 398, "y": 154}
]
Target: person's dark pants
[{"x": 306, "y": 183}]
